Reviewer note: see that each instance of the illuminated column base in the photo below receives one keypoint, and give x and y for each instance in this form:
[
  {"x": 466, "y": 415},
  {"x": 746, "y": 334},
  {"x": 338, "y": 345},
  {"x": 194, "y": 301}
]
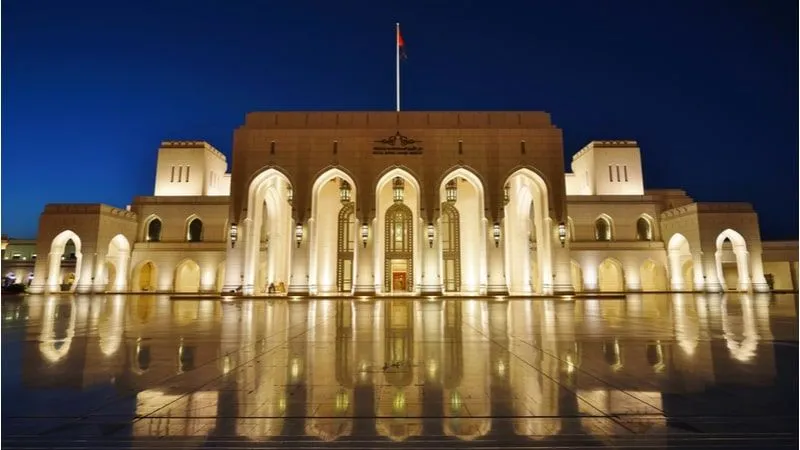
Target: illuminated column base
[
  {"x": 497, "y": 284},
  {"x": 234, "y": 268},
  {"x": 431, "y": 282},
  {"x": 298, "y": 279},
  {"x": 562, "y": 270},
  {"x": 85, "y": 281},
  {"x": 711, "y": 280},
  {"x": 365, "y": 273}
]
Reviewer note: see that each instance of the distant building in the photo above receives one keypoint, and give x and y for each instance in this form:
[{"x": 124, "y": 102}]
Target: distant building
[{"x": 428, "y": 203}]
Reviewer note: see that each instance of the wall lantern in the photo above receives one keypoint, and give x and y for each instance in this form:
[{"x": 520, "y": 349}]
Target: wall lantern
[
  {"x": 430, "y": 235},
  {"x": 562, "y": 233},
  {"x": 298, "y": 234},
  {"x": 505, "y": 194},
  {"x": 398, "y": 188},
  {"x": 364, "y": 234},
  {"x": 344, "y": 191},
  {"x": 496, "y": 234},
  {"x": 234, "y": 234},
  {"x": 289, "y": 194},
  {"x": 451, "y": 191}
]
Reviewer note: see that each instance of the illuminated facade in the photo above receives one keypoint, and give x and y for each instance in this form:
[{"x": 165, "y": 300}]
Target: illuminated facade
[{"x": 409, "y": 203}]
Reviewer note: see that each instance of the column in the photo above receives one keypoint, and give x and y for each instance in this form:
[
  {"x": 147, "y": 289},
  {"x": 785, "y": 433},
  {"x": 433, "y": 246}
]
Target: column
[
  {"x": 365, "y": 260},
  {"x": 431, "y": 278},
  {"x": 234, "y": 265},
  {"x": 562, "y": 266},
  {"x": 759, "y": 281},
  {"x": 743, "y": 270},
  {"x": 497, "y": 284},
  {"x": 123, "y": 269},
  {"x": 86, "y": 270},
  {"x": 710, "y": 272},
  {"x": 698, "y": 271},
  {"x": 298, "y": 278},
  {"x": 676, "y": 280},
  {"x": 53, "y": 271}
]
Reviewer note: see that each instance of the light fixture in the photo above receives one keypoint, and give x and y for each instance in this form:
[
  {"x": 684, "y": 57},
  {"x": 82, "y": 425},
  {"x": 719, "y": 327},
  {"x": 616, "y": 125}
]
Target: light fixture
[
  {"x": 344, "y": 191},
  {"x": 496, "y": 234},
  {"x": 451, "y": 191},
  {"x": 234, "y": 234},
  {"x": 364, "y": 234},
  {"x": 289, "y": 194},
  {"x": 562, "y": 233},
  {"x": 430, "y": 235},
  {"x": 398, "y": 189},
  {"x": 298, "y": 234},
  {"x": 505, "y": 194}
]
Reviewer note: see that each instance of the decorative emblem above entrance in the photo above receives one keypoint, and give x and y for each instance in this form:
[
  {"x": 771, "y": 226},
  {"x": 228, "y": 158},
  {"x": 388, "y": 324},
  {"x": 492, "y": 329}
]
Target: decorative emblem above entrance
[{"x": 397, "y": 145}]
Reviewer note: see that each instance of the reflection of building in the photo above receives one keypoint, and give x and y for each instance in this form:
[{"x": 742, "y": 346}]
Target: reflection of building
[
  {"x": 391, "y": 370},
  {"x": 405, "y": 203}
]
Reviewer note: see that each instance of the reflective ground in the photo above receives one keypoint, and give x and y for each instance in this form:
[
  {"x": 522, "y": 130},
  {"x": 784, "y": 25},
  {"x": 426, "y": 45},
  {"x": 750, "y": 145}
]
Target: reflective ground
[{"x": 690, "y": 371}]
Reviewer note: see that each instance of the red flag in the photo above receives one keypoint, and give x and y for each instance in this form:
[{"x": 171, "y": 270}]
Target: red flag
[{"x": 400, "y": 44}]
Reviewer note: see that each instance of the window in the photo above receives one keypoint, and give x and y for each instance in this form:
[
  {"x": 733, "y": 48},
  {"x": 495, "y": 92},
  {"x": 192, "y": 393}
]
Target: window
[
  {"x": 625, "y": 170},
  {"x": 195, "y": 231},
  {"x": 33, "y": 256},
  {"x": 345, "y": 247},
  {"x": 154, "y": 231},
  {"x": 618, "y": 172},
  {"x": 180, "y": 173},
  {"x": 602, "y": 229},
  {"x": 16, "y": 256},
  {"x": 644, "y": 232},
  {"x": 172, "y": 177},
  {"x": 188, "y": 167},
  {"x": 610, "y": 175}
]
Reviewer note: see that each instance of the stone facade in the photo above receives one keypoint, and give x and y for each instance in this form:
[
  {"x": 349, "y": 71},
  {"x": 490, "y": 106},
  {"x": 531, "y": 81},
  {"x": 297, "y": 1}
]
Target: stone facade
[{"x": 408, "y": 203}]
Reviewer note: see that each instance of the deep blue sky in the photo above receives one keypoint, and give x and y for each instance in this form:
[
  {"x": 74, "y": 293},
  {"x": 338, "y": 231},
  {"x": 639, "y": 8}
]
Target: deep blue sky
[{"x": 709, "y": 88}]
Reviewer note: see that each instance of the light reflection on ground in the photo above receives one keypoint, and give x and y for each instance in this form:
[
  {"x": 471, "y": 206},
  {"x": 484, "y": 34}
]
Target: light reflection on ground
[{"x": 677, "y": 370}]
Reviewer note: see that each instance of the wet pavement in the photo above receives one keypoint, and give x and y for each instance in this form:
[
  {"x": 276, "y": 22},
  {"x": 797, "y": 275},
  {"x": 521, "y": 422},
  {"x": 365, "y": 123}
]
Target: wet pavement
[{"x": 647, "y": 371}]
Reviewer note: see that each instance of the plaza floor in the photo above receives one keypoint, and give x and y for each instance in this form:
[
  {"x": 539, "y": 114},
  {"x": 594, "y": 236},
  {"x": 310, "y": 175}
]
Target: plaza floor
[{"x": 646, "y": 371}]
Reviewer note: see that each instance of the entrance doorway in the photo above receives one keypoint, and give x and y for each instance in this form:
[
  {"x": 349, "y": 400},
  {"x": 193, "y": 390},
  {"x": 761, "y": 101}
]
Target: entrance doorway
[{"x": 399, "y": 275}]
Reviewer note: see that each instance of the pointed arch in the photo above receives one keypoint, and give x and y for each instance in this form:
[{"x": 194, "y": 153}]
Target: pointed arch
[
  {"x": 152, "y": 229},
  {"x": 469, "y": 206},
  {"x": 388, "y": 256},
  {"x": 527, "y": 218},
  {"x": 604, "y": 228},
  {"x": 733, "y": 275},
  {"x": 345, "y": 247},
  {"x": 645, "y": 228},
  {"x": 57, "y": 248},
  {"x": 194, "y": 228},
  {"x": 450, "y": 238},
  {"x": 145, "y": 277},
  {"x": 187, "y": 276},
  {"x": 399, "y": 249},
  {"x": 653, "y": 276},
  {"x": 610, "y": 276}
]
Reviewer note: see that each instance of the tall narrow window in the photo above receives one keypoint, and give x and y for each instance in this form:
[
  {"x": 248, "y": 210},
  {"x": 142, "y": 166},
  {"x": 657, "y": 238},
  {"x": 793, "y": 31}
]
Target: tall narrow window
[
  {"x": 618, "y": 179},
  {"x": 154, "y": 230},
  {"x": 195, "y": 231},
  {"x": 625, "y": 171},
  {"x": 180, "y": 173},
  {"x": 522, "y": 147},
  {"x": 610, "y": 175},
  {"x": 602, "y": 229},
  {"x": 172, "y": 177},
  {"x": 345, "y": 248},
  {"x": 188, "y": 167},
  {"x": 644, "y": 232},
  {"x": 398, "y": 272},
  {"x": 451, "y": 247}
]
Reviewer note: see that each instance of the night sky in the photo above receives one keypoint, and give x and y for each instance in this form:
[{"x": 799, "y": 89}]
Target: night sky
[{"x": 708, "y": 88}]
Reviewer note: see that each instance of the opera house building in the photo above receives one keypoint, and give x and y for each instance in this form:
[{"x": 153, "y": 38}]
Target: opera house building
[{"x": 401, "y": 203}]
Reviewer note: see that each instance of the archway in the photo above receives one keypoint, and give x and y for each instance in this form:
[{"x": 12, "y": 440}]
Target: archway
[
  {"x": 577, "y": 276},
  {"x": 187, "y": 277},
  {"x": 397, "y": 196},
  {"x": 733, "y": 261},
  {"x": 117, "y": 258},
  {"x": 610, "y": 276},
  {"x": 527, "y": 221},
  {"x": 603, "y": 228},
  {"x": 462, "y": 227},
  {"x": 680, "y": 261},
  {"x": 333, "y": 233},
  {"x": 268, "y": 231},
  {"x": 65, "y": 246},
  {"x": 144, "y": 277},
  {"x": 194, "y": 229},
  {"x": 653, "y": 276},
  {"x": 153, "y": 230}
]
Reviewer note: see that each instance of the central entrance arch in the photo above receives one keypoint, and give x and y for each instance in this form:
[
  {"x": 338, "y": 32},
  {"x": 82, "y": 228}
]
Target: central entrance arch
[{"x": 397, "y": 257}]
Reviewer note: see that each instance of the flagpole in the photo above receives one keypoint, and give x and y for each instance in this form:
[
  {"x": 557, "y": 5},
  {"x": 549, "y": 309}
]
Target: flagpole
[{"x": 397, "y": 44}]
